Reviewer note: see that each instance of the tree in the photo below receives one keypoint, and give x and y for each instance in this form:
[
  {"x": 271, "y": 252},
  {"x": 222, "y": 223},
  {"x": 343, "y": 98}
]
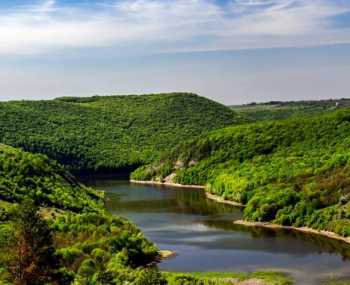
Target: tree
[{"x": 33, "y": 260}]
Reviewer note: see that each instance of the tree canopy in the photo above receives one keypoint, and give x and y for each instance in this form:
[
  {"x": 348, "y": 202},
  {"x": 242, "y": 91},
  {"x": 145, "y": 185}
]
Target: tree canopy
[
  {"x": 292, "y": 172},
  {"x": 109, "y": 132}
]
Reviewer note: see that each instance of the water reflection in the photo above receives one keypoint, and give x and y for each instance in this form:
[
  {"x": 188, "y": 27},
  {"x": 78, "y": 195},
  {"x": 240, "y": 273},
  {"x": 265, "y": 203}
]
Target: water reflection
[{"x": 203, "y": 234}]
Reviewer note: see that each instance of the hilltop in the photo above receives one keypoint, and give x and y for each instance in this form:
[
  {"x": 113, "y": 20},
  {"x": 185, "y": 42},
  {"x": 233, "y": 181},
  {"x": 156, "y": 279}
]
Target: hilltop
[
  {"x": 109, "y": 133},
  {"x": 292, "y": 172}
]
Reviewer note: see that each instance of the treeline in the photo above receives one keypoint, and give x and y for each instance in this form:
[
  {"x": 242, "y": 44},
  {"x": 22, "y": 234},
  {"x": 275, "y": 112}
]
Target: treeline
[
  {"x": 276, "y": 110},
  {"x": 292, "y": 172},
  {"x": 109, "y": 133}
]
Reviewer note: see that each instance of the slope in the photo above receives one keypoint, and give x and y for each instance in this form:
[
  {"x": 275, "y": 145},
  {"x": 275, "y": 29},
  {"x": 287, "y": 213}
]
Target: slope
[
  {"x": 109, "y": 133},
  {"x": 292, "y": 172},
  {"x": 90, "y": 244}
]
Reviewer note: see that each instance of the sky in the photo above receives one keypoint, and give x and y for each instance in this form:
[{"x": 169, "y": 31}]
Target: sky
[{"x": 232, "y": 51}]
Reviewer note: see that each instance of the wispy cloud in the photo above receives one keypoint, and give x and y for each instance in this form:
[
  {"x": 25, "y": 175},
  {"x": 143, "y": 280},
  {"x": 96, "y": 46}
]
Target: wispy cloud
[{"x": 172, "y": 25}]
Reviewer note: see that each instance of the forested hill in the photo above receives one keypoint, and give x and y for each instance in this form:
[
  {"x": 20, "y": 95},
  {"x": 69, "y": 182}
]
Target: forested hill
[
  {"x": 109, "y": 133},
  {"x": 292, "y": 172},
  {"x": 54, "y": 230},
  {"x": 25, "y": 175},
  {"x": 275, "y": 110}
]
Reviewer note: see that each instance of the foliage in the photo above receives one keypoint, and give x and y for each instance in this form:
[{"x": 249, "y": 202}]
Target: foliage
[
  {"x": 75, "y": 248},
  {"x": 109, "y": 133},
  {"x": 93, "y": 247},
  {"x": 33, "y": 176},
  {"x": 292, "y": 172},
  {"x": 78, "y": 242},
  {"x": 32, "y": 259}
]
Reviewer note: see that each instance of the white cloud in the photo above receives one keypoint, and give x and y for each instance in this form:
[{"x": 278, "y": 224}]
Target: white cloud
[{"x": 176, "y": 25}]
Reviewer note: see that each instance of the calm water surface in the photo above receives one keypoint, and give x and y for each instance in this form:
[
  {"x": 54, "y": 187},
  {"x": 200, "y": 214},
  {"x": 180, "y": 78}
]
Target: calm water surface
[{"x": 203, "y": 235}]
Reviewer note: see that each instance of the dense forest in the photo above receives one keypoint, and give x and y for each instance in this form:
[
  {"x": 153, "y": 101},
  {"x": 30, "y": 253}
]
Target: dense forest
[
  {"x": 54, "y": 230},
  {"x": 291, "y": 172},
  {"x": 110, "y": 132},
  {"x": 275, "y": 110}
]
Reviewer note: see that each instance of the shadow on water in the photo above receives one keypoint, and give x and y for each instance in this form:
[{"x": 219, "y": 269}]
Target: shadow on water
[
  {"x": 315, "y": 243},
  {"x": 205, "y": 238}
]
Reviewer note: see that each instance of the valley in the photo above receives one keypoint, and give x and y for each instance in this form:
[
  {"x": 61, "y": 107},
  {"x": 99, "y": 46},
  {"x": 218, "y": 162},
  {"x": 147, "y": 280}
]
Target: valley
[{"x": 291, "y": 171}]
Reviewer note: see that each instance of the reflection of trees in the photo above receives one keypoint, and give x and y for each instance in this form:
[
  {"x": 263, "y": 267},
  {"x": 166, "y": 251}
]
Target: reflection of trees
[
  {"x": 187, "y": 201},
  {"x": 195, "y": 202},
  {"x": 316, "y": 242},
  {"x": 325, "y": 244},
  {"x": 221, "y": 216}
]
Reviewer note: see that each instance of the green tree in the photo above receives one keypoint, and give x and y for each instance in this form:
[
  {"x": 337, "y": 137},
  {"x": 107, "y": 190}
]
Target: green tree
[{"x": 33, "y": 260}]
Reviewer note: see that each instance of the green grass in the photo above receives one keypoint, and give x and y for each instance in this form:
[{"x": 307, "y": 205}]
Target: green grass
[
  {"x": 276, "y": 110},
  {"x": 337, "y": 281},
  {"x": 226, "y": 278},
  {"x": 109, "y": 133}
]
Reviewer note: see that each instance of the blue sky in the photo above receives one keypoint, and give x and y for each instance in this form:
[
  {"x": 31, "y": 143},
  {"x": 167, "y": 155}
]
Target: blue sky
[{"x": 233, "y": 51}]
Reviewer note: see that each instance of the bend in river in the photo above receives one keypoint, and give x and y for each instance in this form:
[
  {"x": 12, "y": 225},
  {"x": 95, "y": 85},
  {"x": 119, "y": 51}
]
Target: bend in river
[{"x": 202, "y": 233}]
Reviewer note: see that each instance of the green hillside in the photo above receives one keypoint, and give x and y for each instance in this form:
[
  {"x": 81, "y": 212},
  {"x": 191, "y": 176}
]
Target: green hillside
[
  {"x": 25, "y": 175},
  {"x": 291, "y": 172},
  {"x": 111, "y": 132},
  {"x": 89, "y": 244},
  {"x": 276, "y": 110}
]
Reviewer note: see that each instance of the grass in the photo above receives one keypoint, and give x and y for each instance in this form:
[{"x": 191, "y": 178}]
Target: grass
[
  {"x": 337, "y": 281},
  {"x": 282, "y": 110},
  {"x": 225, "y": 278}
]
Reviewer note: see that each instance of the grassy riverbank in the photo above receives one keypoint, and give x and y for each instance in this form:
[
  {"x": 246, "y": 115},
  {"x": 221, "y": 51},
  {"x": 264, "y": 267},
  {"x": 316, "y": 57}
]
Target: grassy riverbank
[
  {"x": 217, "y": 278},
  {"x": 337, "y": 281},
  {"x": 169, "y": 184}
]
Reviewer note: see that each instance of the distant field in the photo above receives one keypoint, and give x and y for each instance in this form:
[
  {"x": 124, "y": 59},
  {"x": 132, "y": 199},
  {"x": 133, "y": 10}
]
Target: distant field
[{"x": 275, "y": 110}]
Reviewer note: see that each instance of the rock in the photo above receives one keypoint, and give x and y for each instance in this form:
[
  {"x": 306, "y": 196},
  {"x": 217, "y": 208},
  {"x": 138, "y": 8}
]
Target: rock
[
  {"x": 170, "y": 178},
  {"x": 179, "y": 164}
]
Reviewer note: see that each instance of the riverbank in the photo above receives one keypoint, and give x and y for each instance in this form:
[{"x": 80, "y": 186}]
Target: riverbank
[
  {"x": 169, "y": 184},
  {"x": 225, "y": 278},
  {"x": 167, "y": 254},
  {"x": 210, "y": 196},
  {"x": 305, "y": 230},
  {"x": 219, "y": 199}
]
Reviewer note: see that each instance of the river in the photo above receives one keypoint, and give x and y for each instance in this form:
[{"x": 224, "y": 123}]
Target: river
[{"x": 205, "y": 239}]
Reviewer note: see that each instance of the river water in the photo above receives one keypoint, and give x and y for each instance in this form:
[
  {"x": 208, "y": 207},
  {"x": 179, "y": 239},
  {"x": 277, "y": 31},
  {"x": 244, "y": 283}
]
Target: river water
[{"x": 205, "y": 239}]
